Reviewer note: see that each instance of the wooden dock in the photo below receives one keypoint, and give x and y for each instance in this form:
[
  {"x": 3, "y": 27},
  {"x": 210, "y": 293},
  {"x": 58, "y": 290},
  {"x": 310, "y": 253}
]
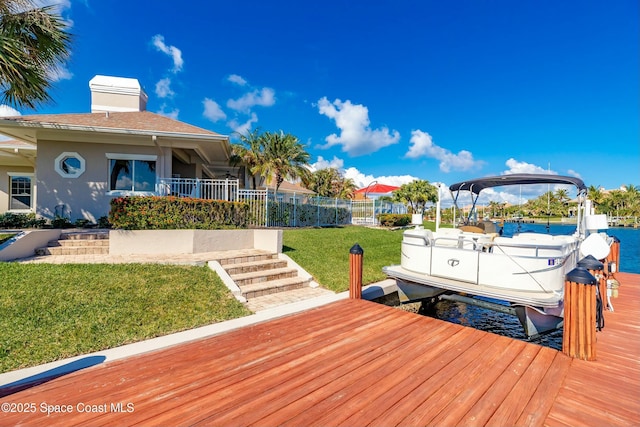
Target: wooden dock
[{"x": 355, "y": 363}]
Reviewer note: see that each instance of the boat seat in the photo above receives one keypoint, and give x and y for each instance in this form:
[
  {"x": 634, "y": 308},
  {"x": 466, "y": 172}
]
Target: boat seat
[
  {"x": 447, "y": 237},
  {"x": 418, "y": 236}
]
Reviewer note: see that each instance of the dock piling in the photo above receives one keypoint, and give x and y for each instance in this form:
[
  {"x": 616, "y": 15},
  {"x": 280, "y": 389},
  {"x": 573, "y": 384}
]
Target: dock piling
[
  {"x": 613, "y": 259},
  {"x": 579, "y": 330},
  {"x": 596, "y": 268},
  {"x": 356, "y": 253}
]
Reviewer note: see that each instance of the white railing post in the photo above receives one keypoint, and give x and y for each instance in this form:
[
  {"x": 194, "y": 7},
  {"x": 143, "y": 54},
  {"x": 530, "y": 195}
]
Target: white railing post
[{"x": 295, "y": 206}]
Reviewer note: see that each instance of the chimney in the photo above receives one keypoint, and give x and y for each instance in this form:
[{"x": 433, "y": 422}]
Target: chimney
[{"x": 117, "y": 94}]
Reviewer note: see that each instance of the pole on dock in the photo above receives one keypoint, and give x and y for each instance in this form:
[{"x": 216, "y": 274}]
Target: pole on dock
[
  {"x": 596, "y": 269},
  {"x": 613, "y": 259},
  {"x": 579, "y": 330},
  {"x": 356, "y": 254}
]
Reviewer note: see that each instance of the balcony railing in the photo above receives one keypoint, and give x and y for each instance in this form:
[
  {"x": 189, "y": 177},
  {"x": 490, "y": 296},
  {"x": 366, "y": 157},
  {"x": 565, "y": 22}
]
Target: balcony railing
[{"x": 212, "y": 189}]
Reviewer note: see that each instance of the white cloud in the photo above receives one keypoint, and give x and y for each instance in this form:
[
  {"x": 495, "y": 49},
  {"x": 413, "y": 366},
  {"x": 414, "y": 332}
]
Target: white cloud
[
  {"x": 212, "y": 110},
  {"x": 6, "y": 111},
  {"x": 59, "y": 72},
  {"x": 173, "y": 114},
  {"x": 571, "y": 172},
  {"x": 163, "y": 88},
  {"x": 239, "y": 80},
  {"x": 524, "y": 167},
  {"x": 517, "y": 194},
  {"x": 359, "y": 178},
  {"x": 422, "y": 146},
  {"x": 356, "y": 137},
  {"x": 362, "y": 180},
  {"x": 322, "y": 163},
  {"x": 172, "y": 51},
  {"x": 243, "y": 128},
  {"x": 264, "y": 97}
]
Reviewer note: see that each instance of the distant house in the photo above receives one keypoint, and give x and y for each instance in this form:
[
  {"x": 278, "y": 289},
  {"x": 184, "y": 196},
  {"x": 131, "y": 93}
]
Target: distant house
[
  {"x": 72, "y": 165},
  {"x": 289, "y": 192},
  {"x": 375, "y": 191}
]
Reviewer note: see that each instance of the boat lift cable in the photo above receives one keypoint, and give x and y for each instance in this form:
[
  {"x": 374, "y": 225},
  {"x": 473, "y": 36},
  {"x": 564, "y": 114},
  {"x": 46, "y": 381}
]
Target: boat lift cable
[{"x": 599, "y": 310}]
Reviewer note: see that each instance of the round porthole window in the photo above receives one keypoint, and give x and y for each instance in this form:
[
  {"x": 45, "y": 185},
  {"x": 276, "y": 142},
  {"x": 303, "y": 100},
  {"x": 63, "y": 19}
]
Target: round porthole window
[{"x": 69, "y": 165}]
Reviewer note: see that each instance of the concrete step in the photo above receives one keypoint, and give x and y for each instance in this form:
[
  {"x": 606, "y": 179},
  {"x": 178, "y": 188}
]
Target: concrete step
[
  {"x": 253, "y": 266},
  {"x": 263, "y": 276},
  {"x": 85, "y": 235},
  {"x": 225, "y": 262},
  {"x": 73, "y": 250},
  {"x": 77, "y": 243},
  {"x": 254, "y": 290}
]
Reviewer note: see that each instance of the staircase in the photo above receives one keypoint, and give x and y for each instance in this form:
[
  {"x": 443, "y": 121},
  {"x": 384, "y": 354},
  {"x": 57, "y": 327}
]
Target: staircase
[
  {"x": 78, "y": 243},
  {"x": 262, "y": 274}
]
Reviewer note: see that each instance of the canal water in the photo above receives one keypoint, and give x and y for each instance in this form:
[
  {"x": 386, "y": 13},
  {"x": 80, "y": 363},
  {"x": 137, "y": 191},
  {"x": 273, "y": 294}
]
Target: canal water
[{"x": 503, "y": 324}]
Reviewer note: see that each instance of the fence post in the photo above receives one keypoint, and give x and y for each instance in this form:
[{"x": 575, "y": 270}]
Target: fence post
[
  {"x": 579, "y": 330},
  {"x": 356, "y": 253},
  {"x": 266, "y": 207}
]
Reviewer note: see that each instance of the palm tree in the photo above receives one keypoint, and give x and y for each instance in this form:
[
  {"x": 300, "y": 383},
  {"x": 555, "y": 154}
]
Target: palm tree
[
  {"x": 284, "y": 157},
  {"x": 248, "y": 152},
  {"x": 416, "y": 194},
  {"x": 329, "y": 182},
  {"x": 272, "y": 156},
  {"x": 595, "y": 195},
  {"x": 33, "y": 42}
]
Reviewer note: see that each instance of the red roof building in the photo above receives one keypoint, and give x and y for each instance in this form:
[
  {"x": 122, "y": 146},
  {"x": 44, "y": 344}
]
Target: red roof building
[{"x": 375, "y": 191}]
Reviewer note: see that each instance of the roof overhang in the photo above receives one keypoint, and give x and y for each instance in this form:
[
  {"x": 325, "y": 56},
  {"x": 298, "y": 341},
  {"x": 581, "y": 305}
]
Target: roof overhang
[{"x": 209, "y": 147}]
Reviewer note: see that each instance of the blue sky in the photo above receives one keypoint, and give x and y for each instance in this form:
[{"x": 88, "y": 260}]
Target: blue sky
[{"x": 386, "y": 91}]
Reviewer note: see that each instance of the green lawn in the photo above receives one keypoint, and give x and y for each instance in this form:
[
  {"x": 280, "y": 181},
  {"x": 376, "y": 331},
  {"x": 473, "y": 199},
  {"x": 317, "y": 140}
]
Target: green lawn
[
  {"x": 324, "y": 253},
  {"x": 51, "y": 312},
  {"x": 5, "y": 236}
]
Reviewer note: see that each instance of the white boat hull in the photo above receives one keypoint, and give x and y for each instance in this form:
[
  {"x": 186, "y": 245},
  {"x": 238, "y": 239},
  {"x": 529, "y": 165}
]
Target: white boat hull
[{"x": 528, "y": 271}]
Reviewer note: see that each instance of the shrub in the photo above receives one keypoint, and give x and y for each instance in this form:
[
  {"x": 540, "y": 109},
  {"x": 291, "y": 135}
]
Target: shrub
[
  {"x": 162, "y": 213},
  {"x": 103, "y": 222},
  {"x": 21, "y": 220},
  {"x": 61, "y": 222},
  {"x": 394, "y": 220}
]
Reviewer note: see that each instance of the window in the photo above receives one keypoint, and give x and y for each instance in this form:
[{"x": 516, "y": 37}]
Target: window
[
  {"x": 132, "y": 173},
  {"x": 20, "y": 192},
  {"x": 69, "y": 165}
]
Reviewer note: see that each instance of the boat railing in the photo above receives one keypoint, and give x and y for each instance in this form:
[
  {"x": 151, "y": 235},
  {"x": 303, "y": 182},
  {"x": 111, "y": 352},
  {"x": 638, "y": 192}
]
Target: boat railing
[
  {"x": 538, "y": 249},
  {"x": 506, "y": 245}
]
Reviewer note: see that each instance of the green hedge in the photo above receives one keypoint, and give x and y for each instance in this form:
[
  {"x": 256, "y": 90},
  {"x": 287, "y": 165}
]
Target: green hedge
[
  {"x": 21, "y": 220},
  {"x": 162, "y": 213},
  {"x": 394, "y": 220}
]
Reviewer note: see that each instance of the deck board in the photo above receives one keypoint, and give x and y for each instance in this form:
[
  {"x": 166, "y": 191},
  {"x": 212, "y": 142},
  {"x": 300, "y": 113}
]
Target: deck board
[{"x": 358, "y": 363}]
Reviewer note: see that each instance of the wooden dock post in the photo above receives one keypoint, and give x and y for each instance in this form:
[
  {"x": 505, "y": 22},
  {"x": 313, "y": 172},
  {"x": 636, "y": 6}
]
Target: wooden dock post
[
  {"x": 579, "y": 330},
  {"x": 356, "y": 253},
  {"x": 613, "y": 259},
  {"x": 596, "y": 268}
]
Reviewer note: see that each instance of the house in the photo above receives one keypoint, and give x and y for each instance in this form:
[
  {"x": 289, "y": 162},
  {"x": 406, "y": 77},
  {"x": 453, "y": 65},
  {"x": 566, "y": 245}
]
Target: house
[
  {"x": 289, "y": 192},
  {"x": 72, "y": 165}
]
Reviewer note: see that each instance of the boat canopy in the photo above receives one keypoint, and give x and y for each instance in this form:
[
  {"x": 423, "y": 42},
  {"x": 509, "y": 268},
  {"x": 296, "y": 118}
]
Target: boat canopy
[{"x": 477, "y": 185}]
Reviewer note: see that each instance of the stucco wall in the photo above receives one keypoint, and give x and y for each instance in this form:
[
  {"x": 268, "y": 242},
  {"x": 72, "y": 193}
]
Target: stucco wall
[
  {"x": 128, "y": 242},
  {"x": 83, "y": 197}
]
